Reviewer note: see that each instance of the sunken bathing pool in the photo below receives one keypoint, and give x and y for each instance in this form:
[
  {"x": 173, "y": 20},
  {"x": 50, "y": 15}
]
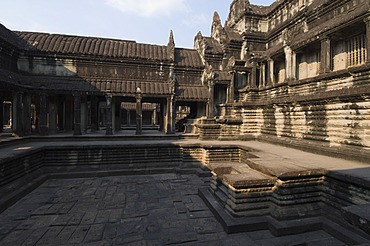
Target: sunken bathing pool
[{"x": 233, "y": 188}]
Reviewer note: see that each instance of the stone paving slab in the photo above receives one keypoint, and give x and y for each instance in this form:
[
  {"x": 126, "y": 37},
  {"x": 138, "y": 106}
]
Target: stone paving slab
[{"x": 162, "y": 209}]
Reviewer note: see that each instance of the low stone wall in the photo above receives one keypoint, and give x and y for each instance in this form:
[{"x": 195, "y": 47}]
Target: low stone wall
[
  {"x": 21, "y": 173},
  {"x": 253, "y": 190}
]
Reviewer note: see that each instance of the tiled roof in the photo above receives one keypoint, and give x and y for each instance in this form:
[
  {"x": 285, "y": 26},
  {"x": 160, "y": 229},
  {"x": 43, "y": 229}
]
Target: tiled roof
[
  {"x": 63, "y": 84},
  {"x": 10, "y": 37},
  {"x": 213, "y": 47},
  {"x": 97, "y": 86},
  {"x": 77, "y": 45},
  {"x": 193, "y": 93},
  {"x": 233, "y": 35},
  {"x": 129, "y": 87},
  {"x": 188, "y": 58},
  {"x": 10, "y": 78}
]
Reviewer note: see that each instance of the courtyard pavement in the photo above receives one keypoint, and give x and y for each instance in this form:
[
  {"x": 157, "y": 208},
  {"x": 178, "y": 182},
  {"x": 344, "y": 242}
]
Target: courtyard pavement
[{"x": 160, "y": 209}]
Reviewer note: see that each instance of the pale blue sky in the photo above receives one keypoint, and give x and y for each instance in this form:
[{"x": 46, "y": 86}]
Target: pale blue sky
[{"x": 145, "y": 21}]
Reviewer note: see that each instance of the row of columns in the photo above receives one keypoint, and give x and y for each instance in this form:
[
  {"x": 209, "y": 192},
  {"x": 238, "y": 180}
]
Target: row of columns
[
  {"x": 53, "y": 114},
  {"x": 113, "y": 123}
]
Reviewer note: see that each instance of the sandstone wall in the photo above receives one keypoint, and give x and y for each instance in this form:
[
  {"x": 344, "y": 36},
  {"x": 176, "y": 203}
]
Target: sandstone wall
[{"x": 334, "y": 110}]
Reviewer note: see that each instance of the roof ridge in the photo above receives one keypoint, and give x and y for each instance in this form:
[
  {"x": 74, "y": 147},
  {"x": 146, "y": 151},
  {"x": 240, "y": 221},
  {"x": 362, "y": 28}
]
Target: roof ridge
[{"x": 83, "y": 37}]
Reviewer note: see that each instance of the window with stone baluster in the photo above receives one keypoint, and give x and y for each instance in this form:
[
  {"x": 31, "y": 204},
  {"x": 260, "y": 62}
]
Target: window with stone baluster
[{"x": 356, "y": 50}]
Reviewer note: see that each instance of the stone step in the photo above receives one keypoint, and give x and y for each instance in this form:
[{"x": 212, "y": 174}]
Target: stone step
[
  {"x": 283, "y": 169},
  {"x": 346, "y": 234},
  {"x": 358, "y": 215}
]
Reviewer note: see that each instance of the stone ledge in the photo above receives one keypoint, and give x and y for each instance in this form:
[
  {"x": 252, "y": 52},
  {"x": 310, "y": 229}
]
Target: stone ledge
[
  {"x": 358, "y": 215},
  {"x": 318, "y": 147},
  {"x": 231, "y": 224}
]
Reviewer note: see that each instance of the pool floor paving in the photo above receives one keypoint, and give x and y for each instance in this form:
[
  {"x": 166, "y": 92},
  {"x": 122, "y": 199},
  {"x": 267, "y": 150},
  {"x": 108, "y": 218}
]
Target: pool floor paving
[{"x": 159, "y": 209}]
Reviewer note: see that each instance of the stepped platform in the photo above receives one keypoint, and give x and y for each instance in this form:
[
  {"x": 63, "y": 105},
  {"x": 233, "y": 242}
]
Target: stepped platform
[
  {"x": 289, "y": 191},
  {"x": 250, "y": 185}
]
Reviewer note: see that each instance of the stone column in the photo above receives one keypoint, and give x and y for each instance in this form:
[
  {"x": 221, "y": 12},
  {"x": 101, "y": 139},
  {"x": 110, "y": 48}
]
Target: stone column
[
  {"x": 61, "y": 105},
  {"x": 270, "y": 73},
  {"x": 253, "y": 82},
  {"x": 94, "y": 114},
  {"x": 27, "y": 121},
  {"x": 155, "y": 116},
  {"x": 170, "y": 115},
  {"x": 289, "y": 60},
  {"x": 68, "y": 118},
  {"x": 139, "y": 113},
  {"x": 17, "y": 113},
  {"x": 1, "y": 115},
  {"x": 44, "y": 111},
  {"x": 117, "y": 114},
  {"x": 367, "y": 22},
  {"x": 262, "y": 75},
  {"x": 211, "y": 100},
  {"x": 294, "y": 65},
  {"x": 162, "y": 113},
  {"x": 53, "y": 112},
  {"x": 128, "y": 117},
  {"x": 230, "y": 97},
  {"x": 325, "y": 55},
  {"x": 77, "y": 114},
  {"x": 109, "y": 128},
  {"x": 84, "y": 114}
]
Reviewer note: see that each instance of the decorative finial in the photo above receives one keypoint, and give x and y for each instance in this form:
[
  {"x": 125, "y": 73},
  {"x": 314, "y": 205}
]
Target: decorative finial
[{"x": 171, "y": 40}]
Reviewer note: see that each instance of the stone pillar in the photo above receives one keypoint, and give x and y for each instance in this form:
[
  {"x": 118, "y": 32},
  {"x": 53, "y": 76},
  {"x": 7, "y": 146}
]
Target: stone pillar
[
  {"x": 128, "y": 113},
  {"x": 211, "y": 100},
  {"x": 270, "y": 80},
  {"x": 84, "y": 114},
  {"x": 68, "y": 118},
  {"x": 27, "y": 121},
  {"x": 253, "y": 82},
  {"x": 325, "y": 56},
  {"x": 170, "y": 115},
  {"x": 61, "y": 105},
  {"x": 289, "y": 60},
  {"x": 53, "y": 112},
  {"x": 367, "y": 22},
  {"x": 139, "y": 113},
  {"x": 44, "y": 111},
  {"x": 1, "y": 115},
  {"x": 117, "y": 114},
  {"x": 230, "y": 97},
  {"x": 77, "y": 114},
  {"x": 94, "y": 114},
  {"x": 294, "y": 66},
  {"x": 17, "y": 113},
  {"x": 162, "y": 119},
  {"x": 109, "y": 127},
  {"x": 155, "y": 115},
  {"x": 262, "y": 75}
]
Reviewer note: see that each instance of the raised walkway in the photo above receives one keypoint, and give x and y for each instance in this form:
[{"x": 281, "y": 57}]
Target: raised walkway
[{"x": 157, "y": 209}]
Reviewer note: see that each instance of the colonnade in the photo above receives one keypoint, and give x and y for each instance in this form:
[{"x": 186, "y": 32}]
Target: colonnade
[{"x": 44, "y": 114}]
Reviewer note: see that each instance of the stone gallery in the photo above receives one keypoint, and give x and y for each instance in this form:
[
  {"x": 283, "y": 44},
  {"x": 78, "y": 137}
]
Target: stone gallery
[{"x": 262, "y": 129}]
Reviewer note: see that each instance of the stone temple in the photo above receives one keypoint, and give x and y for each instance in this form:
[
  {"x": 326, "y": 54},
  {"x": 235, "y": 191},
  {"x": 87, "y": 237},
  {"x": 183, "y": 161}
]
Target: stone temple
[{"x": 259, "y": 135}]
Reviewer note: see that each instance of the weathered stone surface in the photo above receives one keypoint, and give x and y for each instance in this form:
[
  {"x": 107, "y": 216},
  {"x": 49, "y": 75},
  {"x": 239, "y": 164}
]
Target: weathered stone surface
[
  {"x": 249, "y": 179},
  {"x": 358, "y": 215}
]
